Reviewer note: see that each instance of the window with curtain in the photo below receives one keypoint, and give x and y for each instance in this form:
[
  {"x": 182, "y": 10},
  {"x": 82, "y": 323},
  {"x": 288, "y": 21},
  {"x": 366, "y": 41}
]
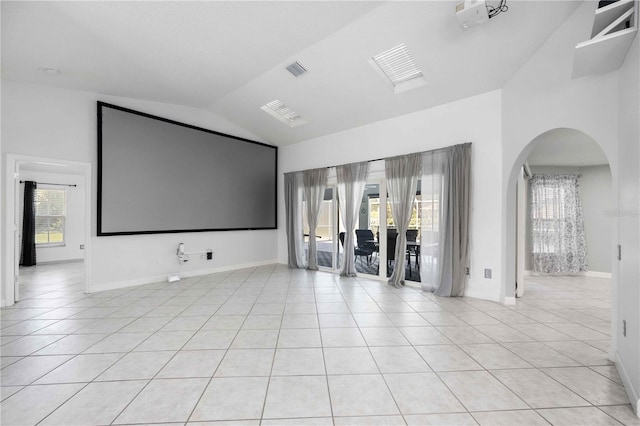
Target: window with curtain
[
  {"x": 51, "y": 209},
  {"x": 557, "y": 225},
  {"x": 428, "y": 198}
]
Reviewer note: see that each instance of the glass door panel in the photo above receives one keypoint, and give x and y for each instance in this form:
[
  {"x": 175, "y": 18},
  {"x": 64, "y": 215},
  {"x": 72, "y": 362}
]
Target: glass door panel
[
  {"x": 325, "y": 232},
  {"x": 368, "y": 231},
  {"x": 430, "y": 223},
  {"x": 412, "y": 260}
]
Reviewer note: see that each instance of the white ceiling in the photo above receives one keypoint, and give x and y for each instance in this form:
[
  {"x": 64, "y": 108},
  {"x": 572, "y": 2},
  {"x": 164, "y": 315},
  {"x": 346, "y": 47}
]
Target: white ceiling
[
  {"x": 229, "y": 56},
  {"x": 566, "y": 147}
]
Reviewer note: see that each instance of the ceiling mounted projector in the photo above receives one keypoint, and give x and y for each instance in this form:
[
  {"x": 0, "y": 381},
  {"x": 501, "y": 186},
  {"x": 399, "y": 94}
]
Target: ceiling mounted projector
[{"x": 474, "y": 12}]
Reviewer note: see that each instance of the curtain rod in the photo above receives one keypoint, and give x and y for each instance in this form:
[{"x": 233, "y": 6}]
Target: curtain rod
[
  {"x": 386, "y": 158},
  {"x": 55, "y": 184}
]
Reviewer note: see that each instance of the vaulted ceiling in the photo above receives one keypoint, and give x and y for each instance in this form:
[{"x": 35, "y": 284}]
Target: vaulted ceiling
[{"x": 230, "y": 56}]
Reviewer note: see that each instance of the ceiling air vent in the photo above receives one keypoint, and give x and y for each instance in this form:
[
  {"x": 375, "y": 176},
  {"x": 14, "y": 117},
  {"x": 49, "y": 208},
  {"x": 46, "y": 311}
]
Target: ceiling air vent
[
  {"x": 296, "y": 69},
  {"x": 398, "y": 68},
  {"x": 283, "y": 113}
]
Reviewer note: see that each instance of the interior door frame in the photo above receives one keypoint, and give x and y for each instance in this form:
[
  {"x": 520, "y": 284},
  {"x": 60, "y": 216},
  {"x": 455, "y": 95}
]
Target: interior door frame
[
  {"x": 12, "y": 228},
  {"x": 521, "y": 232}
]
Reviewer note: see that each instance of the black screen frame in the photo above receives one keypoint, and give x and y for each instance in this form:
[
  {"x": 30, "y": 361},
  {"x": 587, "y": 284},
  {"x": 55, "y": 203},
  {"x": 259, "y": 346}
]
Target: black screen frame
[{"x": 101, "y": 233}]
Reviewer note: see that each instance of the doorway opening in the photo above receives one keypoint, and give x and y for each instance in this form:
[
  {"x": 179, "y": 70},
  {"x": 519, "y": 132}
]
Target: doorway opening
[
  {"x": 564, "y": 263},
  {"x": 61, "y": 217}
]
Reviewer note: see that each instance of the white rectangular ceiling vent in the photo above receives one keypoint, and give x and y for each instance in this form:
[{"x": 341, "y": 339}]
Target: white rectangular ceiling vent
[
  {"x": 296, "y": 69},
  {"x": 397, "y": 67},
  {"x": 283, "y": 113}
]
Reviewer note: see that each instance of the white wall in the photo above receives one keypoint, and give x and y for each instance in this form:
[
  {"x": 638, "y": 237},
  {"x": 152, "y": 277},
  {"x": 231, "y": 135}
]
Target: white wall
[
  {"x": 597, "y": 207},
  {"x": 475, "y": 120},
  {"x": 61, "y": 124},
  {"x": 597, "y": 203},
  {"x": 542, "y": 96},
  {"x": 74, "y": 220}
]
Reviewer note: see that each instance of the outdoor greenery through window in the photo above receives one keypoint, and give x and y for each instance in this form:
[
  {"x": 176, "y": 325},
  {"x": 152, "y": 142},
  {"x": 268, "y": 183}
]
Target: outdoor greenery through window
[
  {"x": 50, "y": 216},
  {"x": 374, "y": 213}
]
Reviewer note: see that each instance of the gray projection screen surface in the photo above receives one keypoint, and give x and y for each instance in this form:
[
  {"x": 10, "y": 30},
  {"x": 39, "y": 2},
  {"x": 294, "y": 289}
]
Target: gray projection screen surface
[{"x": 159, "y": 176}]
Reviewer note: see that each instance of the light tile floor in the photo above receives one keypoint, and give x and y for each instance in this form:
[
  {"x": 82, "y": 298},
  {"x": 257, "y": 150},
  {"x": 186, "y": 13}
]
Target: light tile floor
[{"x": 273, "y": 346}]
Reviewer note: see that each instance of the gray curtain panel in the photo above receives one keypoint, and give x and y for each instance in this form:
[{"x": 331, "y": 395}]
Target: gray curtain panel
[
  {"x": 557, "y": 225},
  {"x": 293, "y": 213},
  {"x": 450, "y": 257},
  {"x": 402, "y": 175},
  {"x": 351, "y": 182},
  {"x": 315, "y": 182}
]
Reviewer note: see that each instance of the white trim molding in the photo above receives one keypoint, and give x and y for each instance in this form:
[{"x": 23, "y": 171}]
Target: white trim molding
[
  {"x": 509, "y": 301},
  {"x": 632, "y": 393},
  {"x": 161, "y": 278},
  {"x": 595, "y": 274},
  {"x": 592, "y": 274},
  {"x": 11, "y": 227}
]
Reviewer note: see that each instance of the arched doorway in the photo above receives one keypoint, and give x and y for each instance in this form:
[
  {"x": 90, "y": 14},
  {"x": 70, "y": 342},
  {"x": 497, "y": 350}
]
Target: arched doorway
[{"x": 560, "y": 149}]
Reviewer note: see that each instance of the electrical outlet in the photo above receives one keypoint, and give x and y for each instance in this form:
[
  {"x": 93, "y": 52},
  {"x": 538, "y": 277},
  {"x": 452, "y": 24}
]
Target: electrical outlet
[
  {"x": 487, "y": 273},
  {"x": 209, "y": 255},
  {"x": 624, "y": 328},
  {"x": 81, "y": 246},
  {"x": 467, "y": 271}
]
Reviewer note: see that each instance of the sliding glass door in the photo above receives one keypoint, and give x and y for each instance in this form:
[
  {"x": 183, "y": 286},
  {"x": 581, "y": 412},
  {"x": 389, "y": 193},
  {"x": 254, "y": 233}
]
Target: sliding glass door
[
  {"x": 414, "y": 234},
  {"x": 326, "y": 231},
  {"x": 370, "y": 232}
]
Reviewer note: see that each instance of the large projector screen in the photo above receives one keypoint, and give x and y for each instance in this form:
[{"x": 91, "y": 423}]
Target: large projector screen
[{"x": 159, "y": 176}]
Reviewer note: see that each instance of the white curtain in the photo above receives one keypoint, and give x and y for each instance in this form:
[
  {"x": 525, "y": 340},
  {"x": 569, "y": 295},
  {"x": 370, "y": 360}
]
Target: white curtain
[
  {"x": 351, "y": 182},
  {"x": 315, "y": 182},
  {"x": 444, "y": 242},
  {"x": 402, "y": 180},
  {"x": 293, "y": 211},
  {"x": 432, "y": 194},
  {"x": 557, "y": 225}
]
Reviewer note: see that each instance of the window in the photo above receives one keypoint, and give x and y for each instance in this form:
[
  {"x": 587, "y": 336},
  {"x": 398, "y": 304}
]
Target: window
[
  {"x": 374, "y": 212},
  {"x": 51, "y": 208},
  {"x": 548, "y": 218}
]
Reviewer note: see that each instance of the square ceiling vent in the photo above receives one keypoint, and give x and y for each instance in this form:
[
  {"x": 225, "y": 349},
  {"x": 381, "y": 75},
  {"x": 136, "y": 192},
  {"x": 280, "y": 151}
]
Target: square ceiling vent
[
  {"x": 397, "y": 68},
  {"x": 296, "y": 69},
  {"x": 283, "y": 113}
]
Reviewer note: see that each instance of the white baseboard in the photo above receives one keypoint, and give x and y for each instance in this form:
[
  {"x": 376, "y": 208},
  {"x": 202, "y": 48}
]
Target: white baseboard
[
  {"x": 228, "y": 268},
  {"x": 54, "y": 262},
  {"x": 632, "y": 393},
  {"x": 115, "y": 285},
  {"x": 593, "y": 274},
  {"x": 596, "y": 274},
  {"x": 480, "y": 295}
]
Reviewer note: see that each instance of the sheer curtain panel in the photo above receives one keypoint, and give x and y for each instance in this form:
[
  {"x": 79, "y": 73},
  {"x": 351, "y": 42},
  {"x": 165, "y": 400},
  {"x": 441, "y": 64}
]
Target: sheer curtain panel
[
  {"x": 402, "y": 180},
  {"x": 351, "y": 182},
  {"x": 293, "y": 213},
  {"x": 446, "y": 187},
  {"x": 432, "y": 194},
  {"x": 315, "y": 182},
  {"x": 557, "y": 225}
]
